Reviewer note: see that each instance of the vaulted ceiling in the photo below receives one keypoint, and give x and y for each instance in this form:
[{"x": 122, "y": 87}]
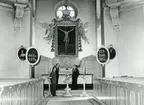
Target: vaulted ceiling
[
  {"x": 15, "y": 1},
  {"x": 122, "y": 3},
  {"x": 108, "y": 2}
]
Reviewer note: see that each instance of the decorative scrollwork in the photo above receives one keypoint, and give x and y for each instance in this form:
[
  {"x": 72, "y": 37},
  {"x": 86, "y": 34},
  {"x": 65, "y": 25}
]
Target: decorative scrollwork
[
  {"x": 83, "y": 29},
  {"x": 50, "y": 30}
]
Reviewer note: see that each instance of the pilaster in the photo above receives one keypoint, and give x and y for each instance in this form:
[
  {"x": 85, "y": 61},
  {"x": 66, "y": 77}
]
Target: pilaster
[
  {"x": 114, "y": 13},
  {"x": 19, "y": 13},
  {"x": 114, "y": 6}
]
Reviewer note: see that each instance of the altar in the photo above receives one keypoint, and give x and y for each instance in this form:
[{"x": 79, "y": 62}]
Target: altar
[
  {"x": 80, "y": 81},
  {"x": 62, "y": 85}
]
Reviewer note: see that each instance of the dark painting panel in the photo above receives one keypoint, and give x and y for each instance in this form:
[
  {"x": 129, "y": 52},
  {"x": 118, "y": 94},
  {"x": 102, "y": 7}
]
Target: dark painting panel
[{"x": 66, "y": 40}]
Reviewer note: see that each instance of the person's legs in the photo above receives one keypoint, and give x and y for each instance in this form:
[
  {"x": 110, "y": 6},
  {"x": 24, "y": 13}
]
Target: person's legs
[
  {"x": 76, "y": 85},
  {"x": 54, "y": 89},
  {"x": 72, "y": 82},
  {"x": 57, "y": 82}
]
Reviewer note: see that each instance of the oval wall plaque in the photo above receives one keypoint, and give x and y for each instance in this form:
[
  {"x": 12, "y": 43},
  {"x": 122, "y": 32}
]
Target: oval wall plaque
[
  {"x": 103, "y": 55},
  {"x": 112, "y": 52},
  {"x": 22, "y": 53},
  {"x": 32, "y": 56}
]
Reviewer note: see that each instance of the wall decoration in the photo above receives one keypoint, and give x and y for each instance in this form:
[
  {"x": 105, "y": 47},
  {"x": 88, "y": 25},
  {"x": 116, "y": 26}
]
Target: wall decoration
[
  {"x": 112, "y": 52},
  {"x": 22, "y": 53},
  {"x": 32, "y": 56},
  {"x": 103, "y": 55}
]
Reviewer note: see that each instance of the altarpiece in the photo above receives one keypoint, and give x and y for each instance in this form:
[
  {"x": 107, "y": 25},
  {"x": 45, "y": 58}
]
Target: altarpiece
[{"x": 65, "y": 33}]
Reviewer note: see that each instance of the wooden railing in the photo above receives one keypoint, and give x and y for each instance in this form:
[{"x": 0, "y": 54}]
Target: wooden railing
[
  {"x": 120, "y": 91},
  {"x": 20, "y": 92}
]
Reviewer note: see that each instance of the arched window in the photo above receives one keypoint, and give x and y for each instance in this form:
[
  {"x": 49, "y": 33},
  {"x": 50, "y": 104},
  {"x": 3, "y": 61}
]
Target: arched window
[{"x": 65, "y": 10}]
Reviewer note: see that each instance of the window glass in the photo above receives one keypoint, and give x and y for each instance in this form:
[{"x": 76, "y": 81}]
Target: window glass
[{"x": 61, "y": 9}]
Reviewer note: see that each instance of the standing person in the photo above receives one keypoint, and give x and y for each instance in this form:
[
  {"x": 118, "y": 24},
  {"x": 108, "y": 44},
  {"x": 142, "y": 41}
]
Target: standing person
[
  {"x": 75, "y": 74},
  {"x": 53, "y": 81},
  {"x": 57, "y": 74}
]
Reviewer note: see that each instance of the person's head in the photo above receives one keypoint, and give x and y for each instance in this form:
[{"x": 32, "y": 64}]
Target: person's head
[
  {"x": 53, "y": 21},
  {"x": 75, "y": 66},
  {"x": 54, "y": 69},
  {"x": 57, "y": 65}
]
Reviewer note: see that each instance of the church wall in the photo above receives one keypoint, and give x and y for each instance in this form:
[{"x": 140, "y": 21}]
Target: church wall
[
  {"x": 44, "y": 13},
  {"x": 10, "y": 65},
  {"x": 128, "y": 43},
  {"x": 131, "y": 42},
  {"x": 111, "y": 38},
  {"x": 87, "y": 14},
  {"x": 43, "y": 67}
]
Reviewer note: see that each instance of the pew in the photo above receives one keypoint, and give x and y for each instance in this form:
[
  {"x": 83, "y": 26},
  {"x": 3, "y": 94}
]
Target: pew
[
  {"x": 120, "y": 91},
  {"x": 20, "y": 91}
]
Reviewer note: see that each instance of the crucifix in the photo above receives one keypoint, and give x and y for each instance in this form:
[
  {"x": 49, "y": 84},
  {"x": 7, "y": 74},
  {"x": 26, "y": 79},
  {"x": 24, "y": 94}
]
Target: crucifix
[{"x": 66, "y": 38}]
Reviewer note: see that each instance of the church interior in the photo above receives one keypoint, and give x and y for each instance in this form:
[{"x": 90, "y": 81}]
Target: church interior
[{"x": 101, "y": 39}]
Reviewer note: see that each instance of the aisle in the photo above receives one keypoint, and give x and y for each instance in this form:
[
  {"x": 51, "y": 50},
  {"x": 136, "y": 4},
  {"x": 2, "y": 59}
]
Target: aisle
[
  {"x": 60, "y": 100},
  {"x": 75, "y": 99}
]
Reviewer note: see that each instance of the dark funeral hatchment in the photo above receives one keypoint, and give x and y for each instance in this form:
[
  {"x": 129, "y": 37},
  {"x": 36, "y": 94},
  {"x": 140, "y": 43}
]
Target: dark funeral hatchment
[
  {"x": 32, "y": 55},
  {"x": 102, "y": 55},
  {"x": 112, "y": 52},
  {"x": 22, "y": 54}
]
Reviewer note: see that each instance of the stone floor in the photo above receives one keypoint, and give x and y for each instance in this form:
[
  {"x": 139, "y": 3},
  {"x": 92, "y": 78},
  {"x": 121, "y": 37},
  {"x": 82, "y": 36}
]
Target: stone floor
[
  {"x": 75, "y": 99},
  {"x": 59, "y": 100}
]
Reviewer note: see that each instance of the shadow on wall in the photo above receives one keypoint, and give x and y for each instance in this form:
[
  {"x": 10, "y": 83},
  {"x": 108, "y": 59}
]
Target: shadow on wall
[{"x": 91, "y": 66}]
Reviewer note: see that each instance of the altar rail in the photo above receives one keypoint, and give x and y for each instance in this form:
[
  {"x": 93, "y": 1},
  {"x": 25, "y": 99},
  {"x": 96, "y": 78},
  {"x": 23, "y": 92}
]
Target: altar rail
[
  {"x": 120, "y": 91},
  {"x": 20, "y": 92}
]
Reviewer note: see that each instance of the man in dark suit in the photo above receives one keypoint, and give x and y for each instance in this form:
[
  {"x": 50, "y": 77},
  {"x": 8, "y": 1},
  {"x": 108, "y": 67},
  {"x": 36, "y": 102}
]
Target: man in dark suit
[
  {"x": 57, "y": 74},
  {"x": 75, "y": 74},
  {"x": 53, "y": 81},
  {"x": 54, "y": 78}
]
